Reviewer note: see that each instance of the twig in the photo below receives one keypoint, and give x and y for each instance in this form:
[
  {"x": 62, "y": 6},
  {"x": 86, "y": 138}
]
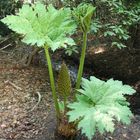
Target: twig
[
  {"x": 2, "y": 51},
  {"x": 39, "y": 99},
  {"x": 5, "y": 47},
  {"x": 12, "y": 84},
  {"x": 4, "y": 40}
]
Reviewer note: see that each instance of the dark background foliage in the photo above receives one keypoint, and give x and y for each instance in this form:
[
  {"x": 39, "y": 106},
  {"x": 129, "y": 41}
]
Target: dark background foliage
[{"x": 7, "y": 7}]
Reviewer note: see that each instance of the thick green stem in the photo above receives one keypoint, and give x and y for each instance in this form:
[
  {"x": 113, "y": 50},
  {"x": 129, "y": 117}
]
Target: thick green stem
[
  {"x": 82, "y": 60},
  {"x": 55, "y": 98}
]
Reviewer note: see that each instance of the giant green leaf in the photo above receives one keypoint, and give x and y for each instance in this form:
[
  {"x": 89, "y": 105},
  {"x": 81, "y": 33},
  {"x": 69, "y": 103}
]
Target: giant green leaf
[
  {"x": 40, "y": 26},
  {"x": 99, "y": 104}
]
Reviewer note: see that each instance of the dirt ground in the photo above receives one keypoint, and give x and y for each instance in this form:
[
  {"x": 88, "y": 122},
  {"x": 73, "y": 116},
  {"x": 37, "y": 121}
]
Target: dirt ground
[{"x": 22, "y": 118}]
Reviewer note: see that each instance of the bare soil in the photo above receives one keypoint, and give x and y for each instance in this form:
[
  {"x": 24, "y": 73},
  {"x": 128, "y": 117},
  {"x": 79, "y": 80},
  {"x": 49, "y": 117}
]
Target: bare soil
[{"x": 21, "y": 119}]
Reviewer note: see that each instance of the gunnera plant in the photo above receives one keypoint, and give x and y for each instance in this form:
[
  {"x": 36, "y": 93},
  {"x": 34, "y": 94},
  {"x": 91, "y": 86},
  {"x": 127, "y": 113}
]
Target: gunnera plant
[
  {"x": 48, "y": 28},
  {"x": 99, "y": 105}
]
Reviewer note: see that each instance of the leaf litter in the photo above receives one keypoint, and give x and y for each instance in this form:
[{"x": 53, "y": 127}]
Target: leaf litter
[{"x": 19, "y": 119}]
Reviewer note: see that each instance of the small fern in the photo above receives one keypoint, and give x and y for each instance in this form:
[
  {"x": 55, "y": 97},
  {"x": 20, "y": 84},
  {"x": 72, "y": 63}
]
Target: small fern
[{"x": 99, "y": 105}]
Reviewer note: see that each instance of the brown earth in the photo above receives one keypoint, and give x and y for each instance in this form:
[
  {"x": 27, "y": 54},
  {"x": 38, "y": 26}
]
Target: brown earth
[{"x": 21, "y": 119}]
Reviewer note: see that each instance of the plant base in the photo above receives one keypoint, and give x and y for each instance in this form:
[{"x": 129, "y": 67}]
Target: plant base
[{"x": 66, "y": 129}]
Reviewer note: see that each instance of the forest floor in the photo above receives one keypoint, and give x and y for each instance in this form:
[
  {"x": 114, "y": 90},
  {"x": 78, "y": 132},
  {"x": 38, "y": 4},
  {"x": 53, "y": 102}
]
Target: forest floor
[{"x": 20, "y": 116}]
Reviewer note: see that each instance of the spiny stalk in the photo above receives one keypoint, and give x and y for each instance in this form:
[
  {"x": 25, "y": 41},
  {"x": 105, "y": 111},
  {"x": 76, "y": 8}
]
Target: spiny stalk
[
  {"x": 52, "y": 82},
  {"x": 82, "y": 60}
]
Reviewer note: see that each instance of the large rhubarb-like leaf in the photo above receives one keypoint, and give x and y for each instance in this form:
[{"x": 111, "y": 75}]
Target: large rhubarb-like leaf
[
  {"x": 99, "y": 104},
  {"x": 40, "y": 26}
]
